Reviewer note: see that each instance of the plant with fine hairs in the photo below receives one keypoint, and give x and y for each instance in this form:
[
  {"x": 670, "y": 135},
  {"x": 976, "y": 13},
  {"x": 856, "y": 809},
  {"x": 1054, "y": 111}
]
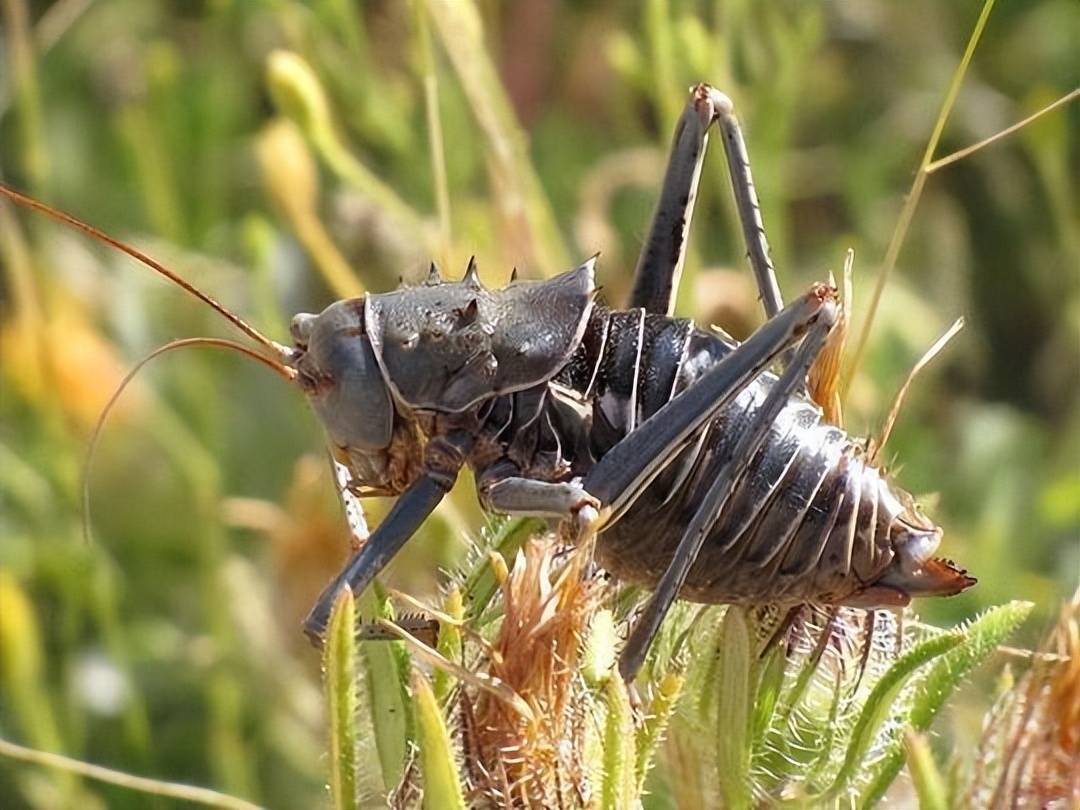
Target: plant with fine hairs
[{"x": 517, "y": 702}]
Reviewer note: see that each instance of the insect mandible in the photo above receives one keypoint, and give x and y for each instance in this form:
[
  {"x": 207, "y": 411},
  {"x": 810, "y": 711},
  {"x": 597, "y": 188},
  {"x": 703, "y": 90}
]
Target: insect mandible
[{"x": 701, "y": 474}]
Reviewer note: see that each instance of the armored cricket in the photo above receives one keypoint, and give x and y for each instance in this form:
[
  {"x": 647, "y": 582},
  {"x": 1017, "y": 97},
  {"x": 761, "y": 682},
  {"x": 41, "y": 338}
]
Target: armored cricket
[{"x": 701, "y": 473}]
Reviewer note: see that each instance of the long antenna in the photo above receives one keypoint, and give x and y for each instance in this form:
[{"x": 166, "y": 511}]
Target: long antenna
[
  {"x": 60, "y": 216},
  {"x": 182, "y": 343}
]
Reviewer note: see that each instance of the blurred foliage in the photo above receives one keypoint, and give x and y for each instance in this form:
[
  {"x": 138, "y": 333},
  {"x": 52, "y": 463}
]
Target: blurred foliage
[{"x": 169, "y": 645}]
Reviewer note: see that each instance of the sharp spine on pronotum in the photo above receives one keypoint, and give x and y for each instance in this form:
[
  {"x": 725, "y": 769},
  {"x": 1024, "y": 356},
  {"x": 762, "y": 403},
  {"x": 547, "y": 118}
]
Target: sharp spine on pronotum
[{"x": 700, "y": 473}]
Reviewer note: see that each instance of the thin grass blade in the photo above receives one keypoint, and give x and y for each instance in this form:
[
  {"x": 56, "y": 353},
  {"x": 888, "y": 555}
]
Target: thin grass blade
[
  {"x": 342, "y": 701},
  {"x": 980, "y": 639}
]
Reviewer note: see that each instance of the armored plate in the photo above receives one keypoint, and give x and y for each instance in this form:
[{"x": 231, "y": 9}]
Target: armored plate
[{"x": 447, "y": 346}]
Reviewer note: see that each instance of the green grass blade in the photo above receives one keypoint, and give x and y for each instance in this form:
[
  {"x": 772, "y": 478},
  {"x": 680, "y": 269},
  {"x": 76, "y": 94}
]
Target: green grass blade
[
  {"x": 519, "y": 194},
  {"x": 442, "y": 787},
  {"x": 980, "y": 638},
  {"x": 339, "y": 679},
  {"x": 386, "y": 670},
  {"x": 912, "y": 199}
]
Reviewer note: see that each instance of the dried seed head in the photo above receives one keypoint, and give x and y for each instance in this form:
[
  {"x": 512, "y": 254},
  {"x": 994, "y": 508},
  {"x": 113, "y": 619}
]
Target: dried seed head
[{"x": 548, "y": 601}]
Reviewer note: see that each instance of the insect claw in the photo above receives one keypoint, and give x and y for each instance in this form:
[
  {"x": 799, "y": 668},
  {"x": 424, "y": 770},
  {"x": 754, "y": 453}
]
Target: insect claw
[
  {"x": 434, "y": 279},
  {"x": 513, "y": 275}
]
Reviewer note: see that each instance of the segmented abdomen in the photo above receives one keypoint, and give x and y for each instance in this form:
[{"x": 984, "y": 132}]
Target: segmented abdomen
[{"x": 808, "y": 520}]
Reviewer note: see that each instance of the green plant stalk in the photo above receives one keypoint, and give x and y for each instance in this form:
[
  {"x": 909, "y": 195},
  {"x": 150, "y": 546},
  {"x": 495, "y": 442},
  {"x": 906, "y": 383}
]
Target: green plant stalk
[
  {"x": 980, "y": 639},
  {"x": 226, "y": 750},
  {"x": 117, "y": 642},
  {"x": 22, "y": 665},
  {"x": 770, "y": 682},
  {"x": 339, "y": 681},
  {"x": 618, "y": 789},
  {"x": 668, "y": 692},
  {"x": 666, "y": 96},
  {"x": 292, "y": 181},
  {"x": 450, "y": 644},
  {"x": 299, "y": 95},
  {"x": 153, "y": 167},
  {"x": 600, "y": 649},
  {"x": 344, "y": 18},
  {"x": 155, "y": 787},
  {"x": 35, "y": 156},
  {"x": 912, "y": 200},
  {"x": 442, "y": 786}
]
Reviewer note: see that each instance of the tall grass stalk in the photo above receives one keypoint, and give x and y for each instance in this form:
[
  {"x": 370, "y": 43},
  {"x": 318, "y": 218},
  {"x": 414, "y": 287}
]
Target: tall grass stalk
[{"x": 907, "y": 212}]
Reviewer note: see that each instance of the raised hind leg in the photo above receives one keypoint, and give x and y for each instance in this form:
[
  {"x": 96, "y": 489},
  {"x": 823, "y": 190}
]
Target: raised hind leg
[{"x": 656, "y": 278}]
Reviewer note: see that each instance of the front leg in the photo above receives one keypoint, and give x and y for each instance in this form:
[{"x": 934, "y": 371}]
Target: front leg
[{"x": 442, "y": 462}]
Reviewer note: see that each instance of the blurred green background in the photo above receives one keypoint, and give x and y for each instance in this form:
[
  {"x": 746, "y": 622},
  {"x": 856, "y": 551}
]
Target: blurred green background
[{"x": 169, "y": 645}]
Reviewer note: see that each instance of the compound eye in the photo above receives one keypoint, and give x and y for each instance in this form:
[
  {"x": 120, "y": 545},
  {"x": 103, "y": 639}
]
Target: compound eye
[{"x": 300, "y": 328}]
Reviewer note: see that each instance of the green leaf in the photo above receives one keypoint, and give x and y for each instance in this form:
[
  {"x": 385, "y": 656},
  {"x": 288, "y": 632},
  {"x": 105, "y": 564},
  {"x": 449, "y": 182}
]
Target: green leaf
[
  {"x": 980, "y": 638},
  {"x": 339, "y": 680},
  {"x": 386, "y": 673},
  {"x": 619, "y": 787},
  {"x": 442, "y": 787},
  {"x": 480, "y": 585},
  {"x": 879, "y": 703}
]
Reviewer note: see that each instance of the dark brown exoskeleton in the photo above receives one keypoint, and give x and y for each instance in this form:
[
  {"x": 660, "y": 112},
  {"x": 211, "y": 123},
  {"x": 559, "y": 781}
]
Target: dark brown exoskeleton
[{"x": 702, "y": 473}]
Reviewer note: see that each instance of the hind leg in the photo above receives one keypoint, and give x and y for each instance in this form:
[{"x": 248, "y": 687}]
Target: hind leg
[{"x": 656, "y": 278}]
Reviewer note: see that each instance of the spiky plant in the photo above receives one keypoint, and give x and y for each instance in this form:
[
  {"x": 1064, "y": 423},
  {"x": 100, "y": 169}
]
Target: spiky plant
[{"x": 744, "y": 708}]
